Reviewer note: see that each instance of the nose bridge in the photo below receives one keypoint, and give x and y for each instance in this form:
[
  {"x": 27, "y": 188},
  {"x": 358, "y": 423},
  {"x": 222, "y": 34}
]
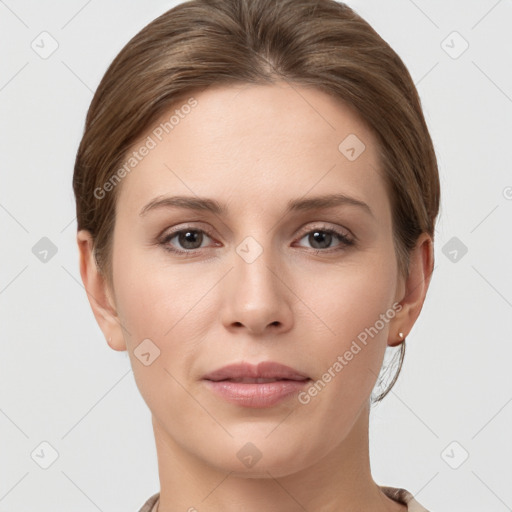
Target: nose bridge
[
  {"x": 253, "y": 273},
  {"x": 256, "y": 297}
]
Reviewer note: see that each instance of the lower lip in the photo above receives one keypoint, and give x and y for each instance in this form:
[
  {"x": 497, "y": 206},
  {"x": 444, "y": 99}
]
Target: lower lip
[{"x": 260, "y": 395}]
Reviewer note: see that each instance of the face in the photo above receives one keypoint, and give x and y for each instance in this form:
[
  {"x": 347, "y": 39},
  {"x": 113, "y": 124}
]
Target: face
[{"x": 266, "y": 274}]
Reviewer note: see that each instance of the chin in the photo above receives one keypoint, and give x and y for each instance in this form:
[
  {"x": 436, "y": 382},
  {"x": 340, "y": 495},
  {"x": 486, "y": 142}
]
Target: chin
[{"x": 262, "y": 458}]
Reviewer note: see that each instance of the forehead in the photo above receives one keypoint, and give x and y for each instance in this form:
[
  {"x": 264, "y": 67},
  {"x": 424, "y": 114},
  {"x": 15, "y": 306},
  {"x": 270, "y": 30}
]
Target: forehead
[{"x": 255, "y": 143}]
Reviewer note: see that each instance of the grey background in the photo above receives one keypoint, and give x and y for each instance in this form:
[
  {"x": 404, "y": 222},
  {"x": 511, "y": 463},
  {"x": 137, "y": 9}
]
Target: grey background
[{"x": 60, "y": 383}]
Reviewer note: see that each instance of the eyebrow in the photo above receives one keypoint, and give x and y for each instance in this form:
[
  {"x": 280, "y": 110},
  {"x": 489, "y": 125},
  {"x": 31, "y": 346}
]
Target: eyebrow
[{"x": 294, "y": 205}]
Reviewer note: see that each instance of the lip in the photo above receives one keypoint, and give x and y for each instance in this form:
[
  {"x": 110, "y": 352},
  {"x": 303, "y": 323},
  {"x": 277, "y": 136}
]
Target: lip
[{"x": 258, "y": 386}]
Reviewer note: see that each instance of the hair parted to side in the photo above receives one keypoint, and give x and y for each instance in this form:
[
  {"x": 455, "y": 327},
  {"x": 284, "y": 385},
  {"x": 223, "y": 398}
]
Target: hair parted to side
[{"x": 319, "y": 43}]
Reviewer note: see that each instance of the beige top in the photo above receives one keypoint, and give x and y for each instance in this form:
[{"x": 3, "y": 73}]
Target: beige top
[{"x": 397, "y": 494}]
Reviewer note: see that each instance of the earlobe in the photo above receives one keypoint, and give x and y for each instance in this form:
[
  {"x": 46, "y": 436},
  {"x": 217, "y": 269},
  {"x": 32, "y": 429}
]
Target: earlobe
[
  {"x": 98, "y": 293},
  {"x": 421, "y": 264},
  {"x": 396, "y": 339}
]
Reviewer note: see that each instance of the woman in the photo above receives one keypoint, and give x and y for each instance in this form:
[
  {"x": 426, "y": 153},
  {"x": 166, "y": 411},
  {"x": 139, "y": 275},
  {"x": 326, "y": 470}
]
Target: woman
[{"x": 256, "y": 197}]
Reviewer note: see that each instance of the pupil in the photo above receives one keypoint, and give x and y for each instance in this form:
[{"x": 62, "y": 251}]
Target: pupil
[
  {"x": 320, "y": 237},
  {"x": 188, "y": 239}
]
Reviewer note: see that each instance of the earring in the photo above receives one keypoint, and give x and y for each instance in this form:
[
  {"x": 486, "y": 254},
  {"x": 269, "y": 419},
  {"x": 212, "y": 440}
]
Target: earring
[{"x": 401, "y": 336}]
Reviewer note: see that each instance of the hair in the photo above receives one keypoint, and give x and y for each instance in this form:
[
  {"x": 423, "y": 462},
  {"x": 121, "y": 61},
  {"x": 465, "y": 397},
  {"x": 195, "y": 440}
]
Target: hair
[{"x": 322, "y": 44}]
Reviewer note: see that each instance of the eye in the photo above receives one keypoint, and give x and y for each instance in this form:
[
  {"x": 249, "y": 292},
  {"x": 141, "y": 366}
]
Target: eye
[
  {"x": 321, "y": 239},
  {"x": 189, "y": 239}
]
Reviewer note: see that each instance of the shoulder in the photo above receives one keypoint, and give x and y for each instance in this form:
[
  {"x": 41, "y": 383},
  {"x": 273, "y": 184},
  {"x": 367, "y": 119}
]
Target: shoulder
[
  {"x": 405, "y": 497},
  {"x": 150, "y": 503}
]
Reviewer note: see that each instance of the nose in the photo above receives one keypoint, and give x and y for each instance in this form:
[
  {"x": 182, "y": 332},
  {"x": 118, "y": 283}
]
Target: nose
[{"x": 256, "y": 295}]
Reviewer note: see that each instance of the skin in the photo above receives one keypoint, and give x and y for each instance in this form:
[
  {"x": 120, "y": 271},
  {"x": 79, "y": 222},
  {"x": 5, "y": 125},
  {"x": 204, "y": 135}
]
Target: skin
[{"x": 253, "y": 148}]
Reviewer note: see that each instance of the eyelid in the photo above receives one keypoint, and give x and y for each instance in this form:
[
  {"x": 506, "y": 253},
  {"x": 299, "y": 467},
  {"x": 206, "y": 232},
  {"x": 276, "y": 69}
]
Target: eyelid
[
  {"x": 175, "y": 230},
  {"x": 324, "y": 226}
]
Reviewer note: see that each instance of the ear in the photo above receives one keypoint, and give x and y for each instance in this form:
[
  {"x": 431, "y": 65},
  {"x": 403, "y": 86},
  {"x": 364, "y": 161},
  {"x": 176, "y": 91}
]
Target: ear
[
  {"x": 98, "y": 293},
  {"x": 413, "y": 289}
]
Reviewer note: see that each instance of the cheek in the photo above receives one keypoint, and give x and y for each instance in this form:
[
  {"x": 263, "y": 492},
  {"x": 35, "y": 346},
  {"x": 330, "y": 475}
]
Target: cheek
[
  {"x": 351, "y": 297},
  {"x": 158, "y": 312},
  {"x": 155, "y": 299},
  {"x": 165, "y": 305},
  {"x": 354, "y": 306}
]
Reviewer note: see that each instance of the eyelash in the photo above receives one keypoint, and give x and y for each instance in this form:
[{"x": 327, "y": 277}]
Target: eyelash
[{"x": 344, "y": 239}]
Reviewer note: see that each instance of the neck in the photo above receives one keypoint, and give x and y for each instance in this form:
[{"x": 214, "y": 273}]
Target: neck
[{"x": 341, "y": 481}]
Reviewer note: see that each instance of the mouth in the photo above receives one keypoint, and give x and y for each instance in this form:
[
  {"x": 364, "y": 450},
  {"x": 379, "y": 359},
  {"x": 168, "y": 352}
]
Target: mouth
[
  {"x": 250, "y": 380},
  {"x": 266, "y": 371},
  {"x": 258, "y": 386}
]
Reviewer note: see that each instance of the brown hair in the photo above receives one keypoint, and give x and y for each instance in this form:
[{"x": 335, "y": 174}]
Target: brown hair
[{"x": 320, "y": 43}]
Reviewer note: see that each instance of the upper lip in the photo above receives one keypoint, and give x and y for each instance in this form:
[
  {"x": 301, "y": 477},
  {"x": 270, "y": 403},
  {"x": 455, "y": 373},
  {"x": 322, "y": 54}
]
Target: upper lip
[{"x": 263, "y": 370}]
